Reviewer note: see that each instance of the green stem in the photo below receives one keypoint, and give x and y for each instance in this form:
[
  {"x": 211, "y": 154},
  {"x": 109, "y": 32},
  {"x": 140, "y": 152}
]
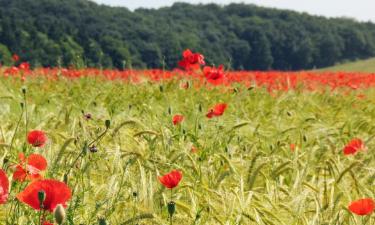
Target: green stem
[
  {"x": 15, "y": 131},
  {"x": 171, "y": 216},
  {"x": 99, "y": 137},
  {"x": 26, "y": 117}
]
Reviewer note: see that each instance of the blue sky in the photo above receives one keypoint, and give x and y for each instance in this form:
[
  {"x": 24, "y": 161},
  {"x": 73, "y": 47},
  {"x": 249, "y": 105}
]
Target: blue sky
[{"x": 363, "y": 10}]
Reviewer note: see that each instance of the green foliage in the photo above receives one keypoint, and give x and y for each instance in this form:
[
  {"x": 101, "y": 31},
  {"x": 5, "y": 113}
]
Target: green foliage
[
  {"x": 241, "y": 36},
  {"x": 357, "y": 66},
  {"x": 5, "y": 55}
]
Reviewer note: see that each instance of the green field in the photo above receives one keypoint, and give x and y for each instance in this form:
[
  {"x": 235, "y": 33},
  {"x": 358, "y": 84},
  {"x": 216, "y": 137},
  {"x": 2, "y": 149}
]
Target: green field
[
  {"x": 243, "y": 173},
  {"x": 367, "y": 66}
]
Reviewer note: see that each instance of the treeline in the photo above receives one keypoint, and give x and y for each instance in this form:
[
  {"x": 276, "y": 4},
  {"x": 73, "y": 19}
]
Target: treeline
[{"x": 241, "y": 36}]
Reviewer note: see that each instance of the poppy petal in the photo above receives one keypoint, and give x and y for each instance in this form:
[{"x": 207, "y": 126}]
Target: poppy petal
[
  {"x": 56, "y": 193},
  {"x": 362, "y": 206},
  {"x": 37, "y": 161},
  {"x": 4, "y": 187}
]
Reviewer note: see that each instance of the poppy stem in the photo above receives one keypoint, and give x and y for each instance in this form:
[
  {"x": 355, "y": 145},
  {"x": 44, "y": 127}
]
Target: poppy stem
[
  {"x": 15, "y": 131},
  {"x": 171, "y": 215},
  {"x": 40, "y": 217},
  {"x": 25, "y": 105},
  {"x": 99, "y": 137}
]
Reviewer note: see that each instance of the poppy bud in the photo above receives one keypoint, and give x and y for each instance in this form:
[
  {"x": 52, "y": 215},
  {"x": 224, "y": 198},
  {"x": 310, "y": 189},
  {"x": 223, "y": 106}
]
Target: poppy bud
[
  {"x": 21, "y": 104},
  {"x": 161, "y": 88},
  {"x": 65, "y": 178},
  {"x": 59, "y": 214},
  {"x": 24, "y": 90},
  {"x": 107, "y": 124},
  {"x": 169, "y": 110},
  {"x": 102, "y": 221},
  {"x": 199, "y": 126},
  {"x": 130, "y": 106},
  {"x": 41, "y": 197},
  {"x": 304, "y": 138},
  {"x": 171, "y": 208},
  {"x": 288, "y": 113},
  {"x": 200, "y": 108},
  {"x": 135, "y": 194}
]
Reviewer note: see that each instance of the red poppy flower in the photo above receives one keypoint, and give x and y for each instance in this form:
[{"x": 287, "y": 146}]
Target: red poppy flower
[
  {"x": 56, "y": 192},
  {"x": 292, "y": 147},
  {"x": 191, "y": 61},
  {"x": 214, "y": 75},
  {"x": 37, "y": 138},
  {"x": 194, "y": 149},
  {"x": 4, "y": 187},
  {"x": 362, "y": 207},
  {"x": 177, "y": 119},
  {"x": 30, "y": 168},
  {"x": 353, "y": 147},
  {"x": 217, "y": 110},
  {"x": 24, "y": 66},
  {"x": 15, "y": 58},
  {"x": 171, "y": 179},
  {"x": 47, "y": 223}
]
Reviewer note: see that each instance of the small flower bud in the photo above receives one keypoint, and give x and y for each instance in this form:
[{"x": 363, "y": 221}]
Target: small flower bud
[
  {"x": 65, "y": 178},
  {"x": 24, "y": 90},
  {"x": 304, "y": 138},
  {"x": 169, "y": 110},
  {"x": 161, "y": 88},
  {"x": 102, "y": 221},
  {"x": 41, "y": 197},
  {"x": 107, "y": 124},
  {"x": 171, "y": 208},
  {"x": 59, "y": 214}
]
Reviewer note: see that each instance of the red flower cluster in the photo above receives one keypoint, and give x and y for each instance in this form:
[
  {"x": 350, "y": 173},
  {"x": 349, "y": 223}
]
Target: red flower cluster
[
  {"x": 177, "y": 119},
  {"x": 191, "y": 61},
  {"x": 217, "y": 110},
  {"x": 37, "y": 138},
  {"x": 362, "y": 207},
  {"x": 353, "y": 147},
  {"x": 270, "y": 80},
  {"x": 56, "y": 192},
  {"x": 172, "y": 179},
  {"x": 30, "y": 168}
]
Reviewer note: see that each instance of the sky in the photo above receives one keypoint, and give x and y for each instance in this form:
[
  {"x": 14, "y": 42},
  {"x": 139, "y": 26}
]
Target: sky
[{"x": 362, "y": 10}]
